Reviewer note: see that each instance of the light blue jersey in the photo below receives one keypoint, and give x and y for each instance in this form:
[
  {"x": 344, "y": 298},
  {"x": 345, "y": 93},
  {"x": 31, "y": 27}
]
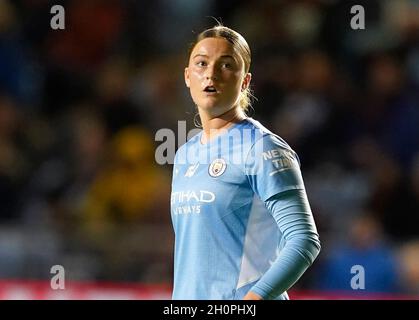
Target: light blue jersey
[{"x": 225, "y": 237}]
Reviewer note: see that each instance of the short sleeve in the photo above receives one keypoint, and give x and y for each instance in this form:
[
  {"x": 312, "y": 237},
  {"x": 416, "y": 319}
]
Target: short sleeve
[{"x": 272, "y": 167}]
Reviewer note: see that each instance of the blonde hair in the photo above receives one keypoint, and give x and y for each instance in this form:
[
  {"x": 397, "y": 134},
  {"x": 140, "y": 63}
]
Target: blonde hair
[{"x": 240, "y": 46}]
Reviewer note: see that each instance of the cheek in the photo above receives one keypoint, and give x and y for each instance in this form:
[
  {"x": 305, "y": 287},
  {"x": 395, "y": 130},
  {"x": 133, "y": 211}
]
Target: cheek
[
  {"x": 195, "y": 83},
  {"x": 235, "y": 82},
  {"x": 195, "y": 76}
]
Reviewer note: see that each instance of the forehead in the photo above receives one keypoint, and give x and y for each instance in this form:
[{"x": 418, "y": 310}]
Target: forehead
[{"x": 214, "y": 47}]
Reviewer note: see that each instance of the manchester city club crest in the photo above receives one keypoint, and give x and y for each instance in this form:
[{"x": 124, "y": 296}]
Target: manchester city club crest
[{"x": 217, "y": 167}]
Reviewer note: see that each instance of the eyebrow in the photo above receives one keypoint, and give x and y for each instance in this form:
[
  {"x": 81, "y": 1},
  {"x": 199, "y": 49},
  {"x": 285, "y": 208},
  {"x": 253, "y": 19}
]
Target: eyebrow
[{"x": 206, "y": 56}]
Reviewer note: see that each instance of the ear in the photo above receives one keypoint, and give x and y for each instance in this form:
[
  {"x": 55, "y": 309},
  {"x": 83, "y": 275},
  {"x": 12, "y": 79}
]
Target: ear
[
  {"x": 246, "y": 81},
  {"x": 187, "y": 81}
]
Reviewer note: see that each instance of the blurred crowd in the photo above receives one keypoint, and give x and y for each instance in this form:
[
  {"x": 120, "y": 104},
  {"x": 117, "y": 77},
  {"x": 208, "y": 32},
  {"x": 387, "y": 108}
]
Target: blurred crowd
[{"x": 79, "y": 108}]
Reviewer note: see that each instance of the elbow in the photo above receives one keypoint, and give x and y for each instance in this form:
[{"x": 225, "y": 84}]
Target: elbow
[
  {"x": 314, "y": 245},
  {"x": 318, "y": 247},
  {"x": 312, "y": 248},
  {"x": 309, "y": 246}
]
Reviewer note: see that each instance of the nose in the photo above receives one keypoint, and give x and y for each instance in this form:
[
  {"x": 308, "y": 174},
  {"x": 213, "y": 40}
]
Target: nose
[{"x": 211, "y": 73}]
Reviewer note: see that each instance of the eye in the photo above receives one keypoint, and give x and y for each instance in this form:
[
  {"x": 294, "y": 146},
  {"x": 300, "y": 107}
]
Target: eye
[
  {"x": 227, "y": 65},
  {"x": 201, "y": 63}
]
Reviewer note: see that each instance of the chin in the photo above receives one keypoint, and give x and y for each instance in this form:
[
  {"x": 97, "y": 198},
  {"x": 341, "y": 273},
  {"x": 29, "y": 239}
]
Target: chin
[
  {"x": 213, "y": 109},
  {"x": 209, "y": 106}
]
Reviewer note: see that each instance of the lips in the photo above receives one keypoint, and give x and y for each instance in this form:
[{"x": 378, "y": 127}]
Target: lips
[{"x": 210, "y": 89}]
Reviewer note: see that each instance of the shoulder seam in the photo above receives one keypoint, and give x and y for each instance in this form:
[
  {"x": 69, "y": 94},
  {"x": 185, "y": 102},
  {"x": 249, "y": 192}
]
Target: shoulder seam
[{"x": 253, "y": 144}]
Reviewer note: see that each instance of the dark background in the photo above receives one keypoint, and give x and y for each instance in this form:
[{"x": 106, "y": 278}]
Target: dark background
[{"x": 79, "y": 108}]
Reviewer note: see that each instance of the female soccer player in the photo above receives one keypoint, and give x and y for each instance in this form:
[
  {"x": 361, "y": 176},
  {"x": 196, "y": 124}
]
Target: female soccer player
[{"x": 243, "y": 225}]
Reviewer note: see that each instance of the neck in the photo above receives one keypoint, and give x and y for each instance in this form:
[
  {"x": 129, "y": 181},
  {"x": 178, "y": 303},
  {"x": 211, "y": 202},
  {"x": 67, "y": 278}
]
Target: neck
[{"x": 212, "y": 126}]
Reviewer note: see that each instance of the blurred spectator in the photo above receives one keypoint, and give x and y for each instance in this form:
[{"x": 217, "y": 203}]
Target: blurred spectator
[
  {"x": 306, "y": 109},
  {"x": 397, "y": 201},
  {"x": 366, "y": 247},
  {"x": 18, "y": 74},
  {"x": 13, "y": 160},
  {"x": 92, "y": 29},
  {"x": 409, "y": 259},
  {"x": 129, "y": 186},
  {"x": 113, "y": 87}
]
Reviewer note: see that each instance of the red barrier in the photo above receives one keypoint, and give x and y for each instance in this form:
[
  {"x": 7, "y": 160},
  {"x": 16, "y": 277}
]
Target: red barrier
[
  {"x": 41, "y": 290},
  {"x": 347, "y": 295}
]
